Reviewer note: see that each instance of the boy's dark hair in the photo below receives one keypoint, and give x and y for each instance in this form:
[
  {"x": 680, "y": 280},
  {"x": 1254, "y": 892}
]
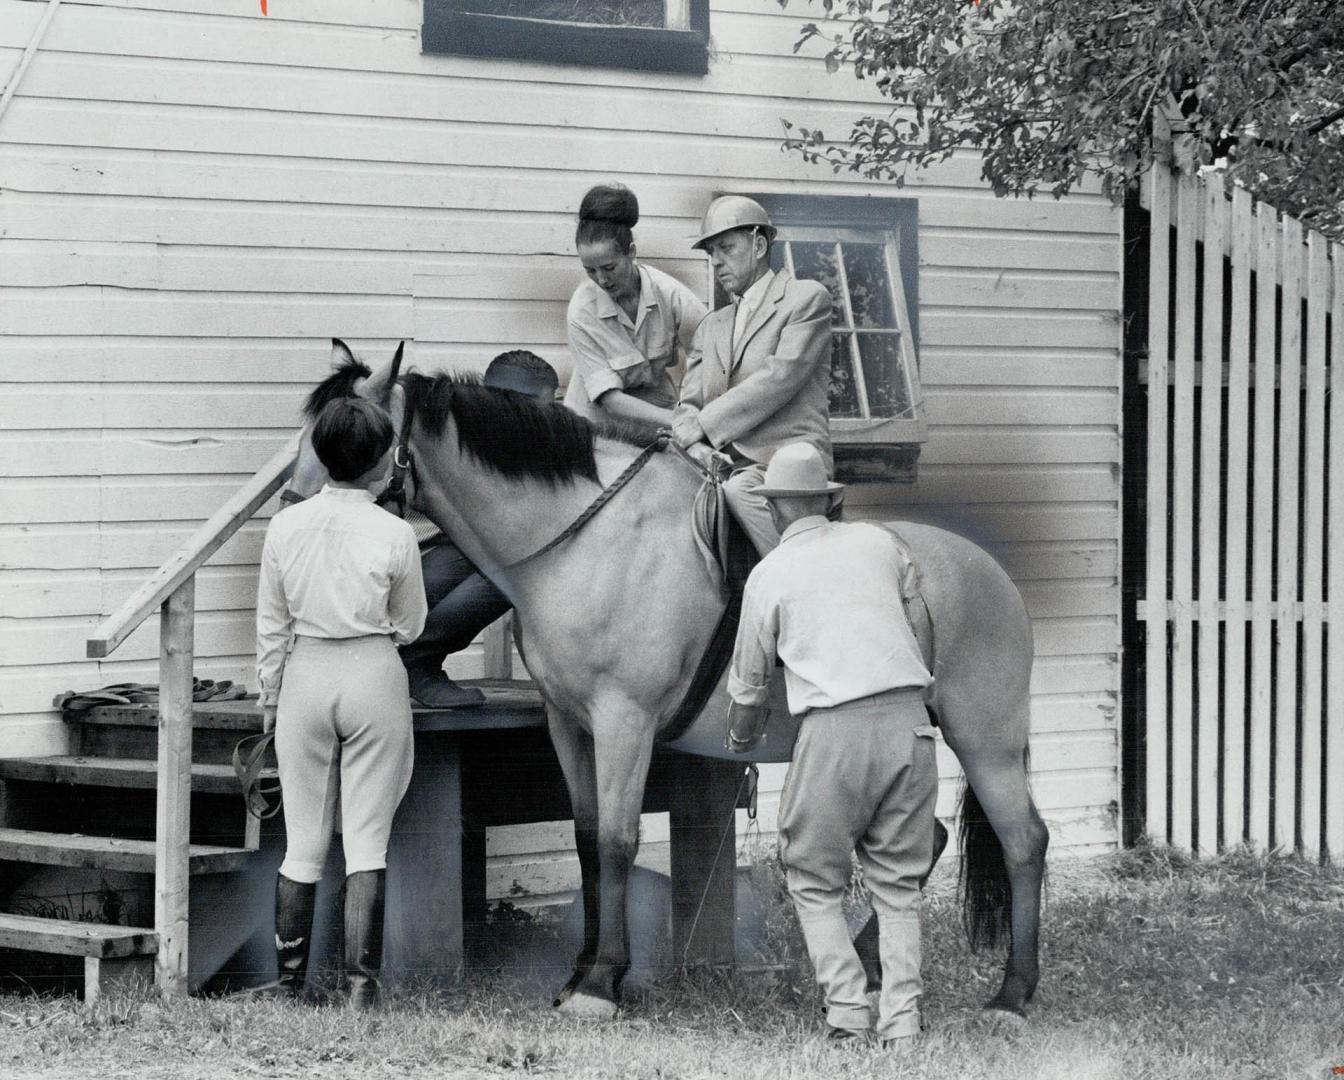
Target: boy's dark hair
[
  {"x": 350, "y": 435},
  {"x": 523, "y": 371}
]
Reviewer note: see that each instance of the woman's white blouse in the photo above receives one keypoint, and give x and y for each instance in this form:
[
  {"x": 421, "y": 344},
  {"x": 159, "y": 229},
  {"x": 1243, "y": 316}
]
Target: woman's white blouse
[
  {"x": 612, "y": 353},
  {"x": 335, "y": 566}
]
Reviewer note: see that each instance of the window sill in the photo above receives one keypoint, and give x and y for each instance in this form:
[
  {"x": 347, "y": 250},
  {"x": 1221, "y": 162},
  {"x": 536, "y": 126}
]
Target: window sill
[
  {"x": 885, "y": 450},
  {"x": 637, "y": 48}
]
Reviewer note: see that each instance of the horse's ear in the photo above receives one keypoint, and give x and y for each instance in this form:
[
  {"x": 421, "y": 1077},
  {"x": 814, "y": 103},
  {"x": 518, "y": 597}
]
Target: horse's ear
[
  {"x": 341, "y": 353},
  {"x": 378, "y": 387}
]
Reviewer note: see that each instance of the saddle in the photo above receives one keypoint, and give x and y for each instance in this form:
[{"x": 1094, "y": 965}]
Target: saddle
[{"x": 730, "y": 556}]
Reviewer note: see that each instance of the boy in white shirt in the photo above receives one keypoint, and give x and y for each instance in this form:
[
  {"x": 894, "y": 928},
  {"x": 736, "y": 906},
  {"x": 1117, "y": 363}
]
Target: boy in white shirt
[{"x": 340, "y": 579}]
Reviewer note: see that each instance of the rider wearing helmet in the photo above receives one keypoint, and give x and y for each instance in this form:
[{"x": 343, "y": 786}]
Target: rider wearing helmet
[{"x": 758, "y": 373}]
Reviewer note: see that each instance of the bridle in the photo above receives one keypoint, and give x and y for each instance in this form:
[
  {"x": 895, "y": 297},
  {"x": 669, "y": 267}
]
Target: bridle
[{"x": 403, "y": 465}]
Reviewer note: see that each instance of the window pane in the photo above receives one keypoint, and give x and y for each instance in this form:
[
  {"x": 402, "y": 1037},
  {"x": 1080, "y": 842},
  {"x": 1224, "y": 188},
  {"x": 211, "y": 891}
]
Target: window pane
[
  {"x": 817, "y": 262},
  {"x": 869, "y": 287},
  {"x": 888, "y": 394},
  {"x": 844, "y": 394},
  {"x": 606, "y": 12}
]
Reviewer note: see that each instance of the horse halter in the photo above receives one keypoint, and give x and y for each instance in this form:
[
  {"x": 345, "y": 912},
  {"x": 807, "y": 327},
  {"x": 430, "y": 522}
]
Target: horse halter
[
  {"x": 403, "y": 461},
  {"x": 403, "y": 464}
]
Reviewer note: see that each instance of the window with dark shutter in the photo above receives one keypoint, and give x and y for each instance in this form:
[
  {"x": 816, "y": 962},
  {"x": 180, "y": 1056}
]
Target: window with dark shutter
[{"x": 642, "y": 35}]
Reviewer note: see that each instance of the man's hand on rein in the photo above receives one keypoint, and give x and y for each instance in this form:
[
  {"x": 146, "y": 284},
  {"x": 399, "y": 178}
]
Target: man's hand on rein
[{"x": 686, "y": 430}]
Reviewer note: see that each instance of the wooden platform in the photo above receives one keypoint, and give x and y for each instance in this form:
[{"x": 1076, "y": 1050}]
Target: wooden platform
[{"x": 475, "y": 767}]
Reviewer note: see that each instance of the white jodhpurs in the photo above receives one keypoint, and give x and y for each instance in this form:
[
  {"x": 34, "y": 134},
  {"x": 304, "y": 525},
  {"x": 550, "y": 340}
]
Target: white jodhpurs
[{"x": 344, "y": 744}]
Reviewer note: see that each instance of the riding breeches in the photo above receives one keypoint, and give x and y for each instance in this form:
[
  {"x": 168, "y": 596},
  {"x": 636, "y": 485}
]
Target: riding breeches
[
  {"x": 864, "y": 777},
  {"x": 344, "y": 745}
]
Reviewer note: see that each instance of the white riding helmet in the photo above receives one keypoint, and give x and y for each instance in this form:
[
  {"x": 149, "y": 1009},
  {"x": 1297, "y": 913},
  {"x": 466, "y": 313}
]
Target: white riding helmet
[{"x": 729, "y": 212}]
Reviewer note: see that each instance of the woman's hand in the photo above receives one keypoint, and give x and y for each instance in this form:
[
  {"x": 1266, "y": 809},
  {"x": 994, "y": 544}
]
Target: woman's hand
[{"x": 268, "y": 717}]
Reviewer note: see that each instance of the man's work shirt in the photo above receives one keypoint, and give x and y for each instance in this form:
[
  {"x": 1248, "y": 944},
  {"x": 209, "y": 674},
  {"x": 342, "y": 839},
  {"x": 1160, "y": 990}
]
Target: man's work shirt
[
  {"x": 335, "y": 566},
  {"x": 612, "y": 353},
  {"x": 829, "y": 602}
]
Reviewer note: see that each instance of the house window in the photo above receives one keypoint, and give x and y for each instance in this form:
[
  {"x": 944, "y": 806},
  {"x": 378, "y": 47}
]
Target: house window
[
  {"x": 644, "y": 35},
  {"x": 865, "y": 251}
]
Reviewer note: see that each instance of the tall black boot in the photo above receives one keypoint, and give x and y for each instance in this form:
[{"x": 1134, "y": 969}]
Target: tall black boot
[
  {"x": 365, "y": 893},
  {"x": 293, "y": 932}
]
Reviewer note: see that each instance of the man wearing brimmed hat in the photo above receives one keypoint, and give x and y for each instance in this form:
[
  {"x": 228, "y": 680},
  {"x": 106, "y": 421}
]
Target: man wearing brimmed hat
[
  {"x": 758, "y": 372},
  {"x": 829, "y": 602}
]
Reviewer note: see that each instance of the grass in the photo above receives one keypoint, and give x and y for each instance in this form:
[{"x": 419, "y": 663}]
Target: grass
[{"x": 1154, "y": 966}]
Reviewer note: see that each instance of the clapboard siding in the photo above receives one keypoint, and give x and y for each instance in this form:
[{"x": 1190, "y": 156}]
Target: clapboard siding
[{"x": 195, "y": 198}]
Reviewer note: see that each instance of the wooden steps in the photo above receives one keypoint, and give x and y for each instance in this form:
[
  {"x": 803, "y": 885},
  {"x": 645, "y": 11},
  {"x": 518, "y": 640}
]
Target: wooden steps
[
  {"x": 116, "y": 773},
  {"x": 109, "y": 853},
  {"x": 110, "y": 778},
  {"x": 111, "y": 953},
  {"x": 67, "y": 938}
]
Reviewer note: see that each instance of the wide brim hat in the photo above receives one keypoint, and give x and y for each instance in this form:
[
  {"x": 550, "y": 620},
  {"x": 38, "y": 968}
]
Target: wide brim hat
[
  {"x": 729, "y": 212},
  {"x": 797, "y": 469}
]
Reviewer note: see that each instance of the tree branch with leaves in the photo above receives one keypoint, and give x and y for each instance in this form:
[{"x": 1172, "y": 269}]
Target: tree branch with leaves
[{"x": 1052, "y": 92}]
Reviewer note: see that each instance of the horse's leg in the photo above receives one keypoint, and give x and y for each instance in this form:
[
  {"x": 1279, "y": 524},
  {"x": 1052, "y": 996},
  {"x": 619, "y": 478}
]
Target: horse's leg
[
  {"x": 866, "y": 942},
  {"x": 999, "y": 799},
  {"x": 623, "y": 749},
  {"x": 574, "y": 748}
]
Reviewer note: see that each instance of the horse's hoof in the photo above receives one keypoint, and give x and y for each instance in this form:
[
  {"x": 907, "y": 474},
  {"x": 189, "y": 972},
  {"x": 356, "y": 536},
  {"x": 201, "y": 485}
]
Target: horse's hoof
[{"x": 587, "y": 1007}]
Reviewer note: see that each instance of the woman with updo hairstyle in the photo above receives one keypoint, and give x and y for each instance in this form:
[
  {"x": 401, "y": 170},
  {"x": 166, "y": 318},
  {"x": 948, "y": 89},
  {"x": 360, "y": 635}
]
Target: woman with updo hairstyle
[{"x": 628, "y": 323}]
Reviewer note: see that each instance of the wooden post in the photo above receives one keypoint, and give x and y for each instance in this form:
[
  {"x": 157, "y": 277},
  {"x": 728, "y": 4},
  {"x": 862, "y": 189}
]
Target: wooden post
[
  {"x": 424, "y": 866},
  {"x": 1313, "y": 546},
  {"x": 1284, "y": 831},
  {"x": 703, "y": 819},
  {"x": 1262, "y": 526},
  {"x": 1334, "y": 673},
  {"x": 172, "y": 868},
  {"x": 1183, "y": 520},
  {"x": 1155, "y": 681},
  {"x": 1238, "y": 486},
  {"x": 497, "y": 647},
  {"x": 1210, "y": 511}
]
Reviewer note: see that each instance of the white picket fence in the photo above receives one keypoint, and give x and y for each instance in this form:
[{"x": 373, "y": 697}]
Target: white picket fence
[{"x": 1244, "y": 698}]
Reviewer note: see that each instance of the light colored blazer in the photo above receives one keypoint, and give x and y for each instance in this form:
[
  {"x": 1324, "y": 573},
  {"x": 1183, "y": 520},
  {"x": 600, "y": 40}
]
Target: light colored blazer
[{"x": 770, "y": 387}]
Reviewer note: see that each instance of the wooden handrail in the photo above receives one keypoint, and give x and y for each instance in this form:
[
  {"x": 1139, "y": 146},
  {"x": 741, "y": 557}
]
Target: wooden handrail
[{"x": 203, "y": 543}]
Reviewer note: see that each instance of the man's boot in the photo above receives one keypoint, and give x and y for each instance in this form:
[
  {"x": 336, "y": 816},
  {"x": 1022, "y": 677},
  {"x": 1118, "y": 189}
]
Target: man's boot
[
  {"x": 365, "y": 893},
  {"x": 433, "y": 689},
  {"x": 293, "y": 933}
]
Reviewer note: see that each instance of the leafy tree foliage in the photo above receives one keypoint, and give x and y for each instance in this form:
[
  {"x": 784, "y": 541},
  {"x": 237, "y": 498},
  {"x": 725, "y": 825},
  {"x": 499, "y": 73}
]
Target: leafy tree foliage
[{"x": 1052, "y": 90}]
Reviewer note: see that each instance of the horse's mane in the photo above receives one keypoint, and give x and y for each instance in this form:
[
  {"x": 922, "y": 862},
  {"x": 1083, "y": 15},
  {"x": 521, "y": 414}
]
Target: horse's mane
[
  {"x": 509, "y": 432},
  {"x": 339, "y": 384},
  {"x": 515, "y": 435}
]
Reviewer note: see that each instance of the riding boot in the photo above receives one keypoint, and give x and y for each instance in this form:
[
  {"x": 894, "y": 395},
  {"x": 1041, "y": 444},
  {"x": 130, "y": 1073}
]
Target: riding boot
[
  {"x": 365, "y": 893},
  {"x": 293, "y": 933}
]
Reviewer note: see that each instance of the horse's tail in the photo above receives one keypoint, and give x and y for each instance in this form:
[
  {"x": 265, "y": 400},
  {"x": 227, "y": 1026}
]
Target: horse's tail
[{"x": 986, "y": 891}]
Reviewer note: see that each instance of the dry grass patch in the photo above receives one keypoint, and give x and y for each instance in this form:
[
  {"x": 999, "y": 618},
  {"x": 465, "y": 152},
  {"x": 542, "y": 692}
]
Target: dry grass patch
[{"x": 1154, "y": 967}]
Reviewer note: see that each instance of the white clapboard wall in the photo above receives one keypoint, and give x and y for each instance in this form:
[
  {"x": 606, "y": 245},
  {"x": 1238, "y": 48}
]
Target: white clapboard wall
[{"x": 194, "y": 198}]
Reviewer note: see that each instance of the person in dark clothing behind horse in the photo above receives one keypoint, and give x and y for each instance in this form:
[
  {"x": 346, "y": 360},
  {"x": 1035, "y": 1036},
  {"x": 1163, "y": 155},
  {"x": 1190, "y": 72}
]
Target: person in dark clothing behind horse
[
  {"x": 340, "y": 579},
  {"x": 829, "y": 602},
  {"x": 462, "y": 602}
]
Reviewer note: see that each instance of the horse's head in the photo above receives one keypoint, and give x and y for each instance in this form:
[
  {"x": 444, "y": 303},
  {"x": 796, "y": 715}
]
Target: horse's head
[{"x": 350, "y": 377}]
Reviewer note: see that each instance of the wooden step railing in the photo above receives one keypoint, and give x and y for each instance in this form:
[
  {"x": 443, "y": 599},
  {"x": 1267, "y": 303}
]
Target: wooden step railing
[{"x": 172, "y": 592}]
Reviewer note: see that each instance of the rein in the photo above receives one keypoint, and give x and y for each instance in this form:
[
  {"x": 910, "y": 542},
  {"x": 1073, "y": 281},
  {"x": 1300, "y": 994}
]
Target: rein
[
  {"x": 659, "y": 444},
  {"x": 403, "y": 463}
]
